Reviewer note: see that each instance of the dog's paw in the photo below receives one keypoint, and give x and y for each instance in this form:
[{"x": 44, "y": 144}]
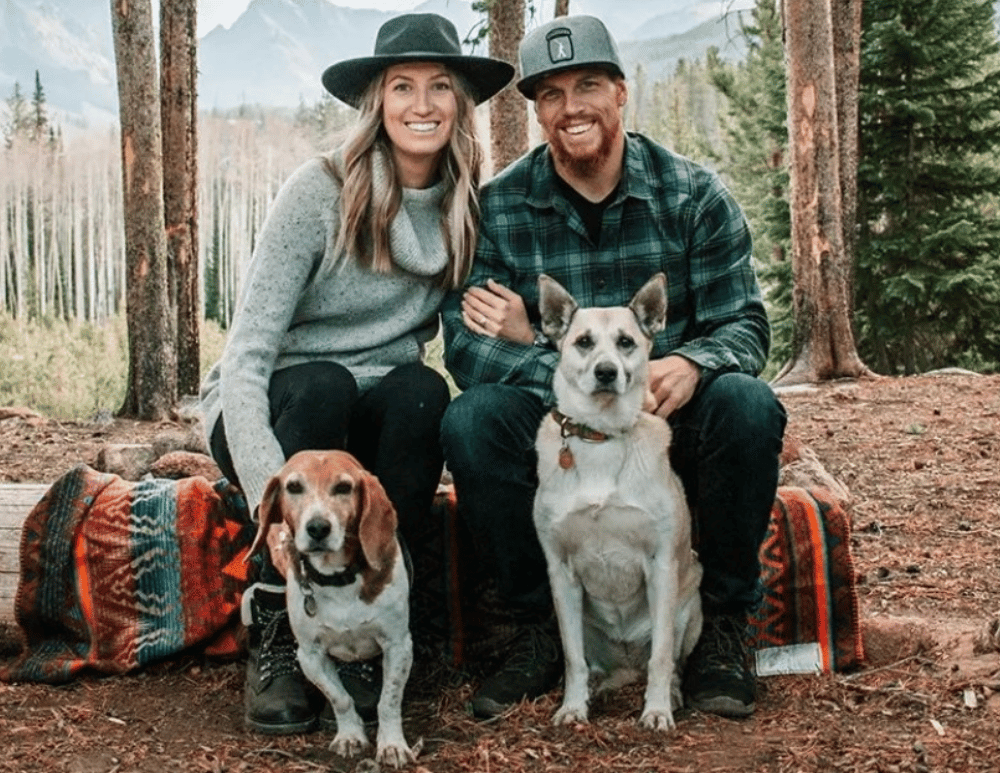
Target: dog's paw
[
  {"x": 570, "y": 715},
  {"x": 657, "y": 719},
  {"x": 349, "y": 744},
  {"x": 395, "y": 755}
]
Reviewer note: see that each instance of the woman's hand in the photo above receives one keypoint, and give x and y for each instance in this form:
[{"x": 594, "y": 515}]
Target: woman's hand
[{"x": 497, "y": 312}]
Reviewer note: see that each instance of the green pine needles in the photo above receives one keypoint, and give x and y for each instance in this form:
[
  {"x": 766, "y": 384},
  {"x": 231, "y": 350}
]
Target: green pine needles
[{"x": 928, "y": 269}]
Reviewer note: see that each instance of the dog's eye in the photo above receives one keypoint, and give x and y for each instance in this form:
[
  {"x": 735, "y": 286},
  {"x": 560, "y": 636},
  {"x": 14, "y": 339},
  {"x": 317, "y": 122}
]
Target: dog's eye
[
  {"x": 294, "y": 487},
  {"x": 584, "y": 342},
  {"x": 626, "y": 342},
  {"x": 341, "y": 488}
]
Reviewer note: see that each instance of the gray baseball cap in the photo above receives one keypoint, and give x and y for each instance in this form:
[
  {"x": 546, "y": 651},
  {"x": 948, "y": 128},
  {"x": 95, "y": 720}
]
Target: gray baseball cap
[{"x": 566, "y": 43}]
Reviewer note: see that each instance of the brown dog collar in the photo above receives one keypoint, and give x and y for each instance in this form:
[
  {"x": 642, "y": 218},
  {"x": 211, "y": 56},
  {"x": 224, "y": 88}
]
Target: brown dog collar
[{"x": 568, "y": 427}]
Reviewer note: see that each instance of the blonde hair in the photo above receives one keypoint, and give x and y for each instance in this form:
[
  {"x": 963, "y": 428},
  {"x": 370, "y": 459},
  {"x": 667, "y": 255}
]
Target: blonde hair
[{"x": 365, "y": 214}]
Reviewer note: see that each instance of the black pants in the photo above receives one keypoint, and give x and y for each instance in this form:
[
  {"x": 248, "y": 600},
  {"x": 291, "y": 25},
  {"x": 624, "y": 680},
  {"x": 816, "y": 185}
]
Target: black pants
[
  {"x": 725, "y": 448},
  {"x": 393, "y": 428}
]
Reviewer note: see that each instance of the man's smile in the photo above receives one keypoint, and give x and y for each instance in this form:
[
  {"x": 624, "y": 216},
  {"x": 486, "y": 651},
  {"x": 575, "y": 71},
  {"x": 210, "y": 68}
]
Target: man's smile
[{"x": 577, "y": 129}]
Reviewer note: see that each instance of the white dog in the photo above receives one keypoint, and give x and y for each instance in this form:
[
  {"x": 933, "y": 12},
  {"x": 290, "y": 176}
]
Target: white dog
[
  {"x": 610, "y": 511},
  {"x": 348, "y": 592}
]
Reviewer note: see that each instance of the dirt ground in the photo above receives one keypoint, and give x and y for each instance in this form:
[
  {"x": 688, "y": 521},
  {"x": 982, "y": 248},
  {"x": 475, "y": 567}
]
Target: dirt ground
[{"x": 920, "y": 459}]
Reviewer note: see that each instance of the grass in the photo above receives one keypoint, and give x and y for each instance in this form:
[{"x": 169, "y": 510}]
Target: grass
[
  {"x": 77, "y": 371},
  {"x": 73, "y": 370}
]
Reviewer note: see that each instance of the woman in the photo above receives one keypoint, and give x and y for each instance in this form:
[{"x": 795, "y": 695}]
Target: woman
[{"x": 343, "y": 292}]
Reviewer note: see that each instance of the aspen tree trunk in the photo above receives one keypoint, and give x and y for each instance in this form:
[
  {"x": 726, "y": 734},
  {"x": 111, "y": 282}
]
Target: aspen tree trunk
[
  {"x": 823, "y": 346},
  {"x": 152, "y": 372},
  {"x": 179, "y": 113},
  {"x": 76, "y": 214},
  {"x": 508, "y": 109},
  {"x": 20, "y": 230},
  {"x": 5, "y": 281}
]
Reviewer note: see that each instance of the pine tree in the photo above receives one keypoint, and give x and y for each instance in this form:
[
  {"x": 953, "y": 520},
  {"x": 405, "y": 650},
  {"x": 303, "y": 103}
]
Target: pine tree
[
  {"x": 18, "y": 117},
  {"x": 928, "y": 275},
  {"x": 39, "y": 116},
  {"x": 757, "y": 134}
]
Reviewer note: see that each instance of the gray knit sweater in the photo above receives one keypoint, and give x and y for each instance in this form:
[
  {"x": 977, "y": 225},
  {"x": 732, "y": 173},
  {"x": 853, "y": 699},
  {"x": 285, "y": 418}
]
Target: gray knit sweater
[{"x": 289, "y": 314}]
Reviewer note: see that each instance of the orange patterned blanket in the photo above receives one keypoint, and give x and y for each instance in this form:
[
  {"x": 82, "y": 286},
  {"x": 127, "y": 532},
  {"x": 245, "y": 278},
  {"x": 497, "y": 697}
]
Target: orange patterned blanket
[
  {"x": 810, "y": 594},
  {"x": 116, "y": 575}
]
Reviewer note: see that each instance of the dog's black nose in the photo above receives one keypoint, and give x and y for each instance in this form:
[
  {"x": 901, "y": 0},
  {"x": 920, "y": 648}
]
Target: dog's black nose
[
  {"x": 318, "y": 529},
  {"x": 605, "y": 372}
]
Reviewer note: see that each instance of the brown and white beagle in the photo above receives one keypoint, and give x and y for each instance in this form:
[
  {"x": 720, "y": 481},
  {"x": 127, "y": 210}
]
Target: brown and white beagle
[{"x": 332, "y": 531}]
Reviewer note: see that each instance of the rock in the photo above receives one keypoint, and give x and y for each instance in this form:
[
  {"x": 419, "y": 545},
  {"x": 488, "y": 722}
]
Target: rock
[
  {"x": 185, "y": 464},
  {"x": 129, "y": 460},
  {"x": 793, "y": 390},
  {"x": 187, "y": 439},
  {"x": 988, "y": 638},
  {"x": 952, "y": 372},
  {"x": 24, "y": 414},
  {"x": 891, "y": 639},
  {"x": 188, "y": 410},
  {"x": 800, "y": 467}
]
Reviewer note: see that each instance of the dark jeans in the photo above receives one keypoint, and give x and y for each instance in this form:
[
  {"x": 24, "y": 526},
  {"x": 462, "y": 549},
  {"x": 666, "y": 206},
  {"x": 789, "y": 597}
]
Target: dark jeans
[
  {"x": 393, "y": 428},
  {"x": 725, "y": 448}
]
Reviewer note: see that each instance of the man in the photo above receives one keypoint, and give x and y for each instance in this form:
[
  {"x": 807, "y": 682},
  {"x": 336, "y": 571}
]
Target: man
[{"x": 601, "y": 210}]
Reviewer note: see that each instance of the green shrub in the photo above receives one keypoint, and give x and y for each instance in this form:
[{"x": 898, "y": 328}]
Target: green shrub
[{"x": 73, "y": 370}]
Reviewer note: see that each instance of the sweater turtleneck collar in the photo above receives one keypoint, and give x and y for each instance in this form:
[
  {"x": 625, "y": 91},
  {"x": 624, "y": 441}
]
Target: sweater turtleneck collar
[{"x": 415, "y": 234}]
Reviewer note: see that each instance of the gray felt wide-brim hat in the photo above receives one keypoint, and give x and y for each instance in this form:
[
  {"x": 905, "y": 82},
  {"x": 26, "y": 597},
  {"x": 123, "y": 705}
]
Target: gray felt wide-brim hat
[
  {"x": 417, "y": 37},
  {"x": 566, "y": 43}
]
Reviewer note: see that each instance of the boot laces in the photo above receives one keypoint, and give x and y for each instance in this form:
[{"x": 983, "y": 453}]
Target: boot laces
[
  {"x": 535, "y": 648},
  {"x": 723, "y": 647},
  {"x": 278, "y": 648}
]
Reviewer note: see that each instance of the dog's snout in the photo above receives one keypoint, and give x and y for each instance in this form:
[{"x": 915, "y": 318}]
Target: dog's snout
[
  {"x": 318, "y": 529},
  {"x": 605, "y": 372}
]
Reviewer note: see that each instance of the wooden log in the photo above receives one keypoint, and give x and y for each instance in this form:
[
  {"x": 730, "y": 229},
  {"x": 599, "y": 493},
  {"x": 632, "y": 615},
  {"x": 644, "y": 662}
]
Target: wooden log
[{"x": 16, "y": 501}]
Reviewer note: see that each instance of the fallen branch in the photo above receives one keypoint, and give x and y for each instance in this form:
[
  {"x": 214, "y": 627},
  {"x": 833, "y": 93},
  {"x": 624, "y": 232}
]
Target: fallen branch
[{"x": 887, "y": 667}]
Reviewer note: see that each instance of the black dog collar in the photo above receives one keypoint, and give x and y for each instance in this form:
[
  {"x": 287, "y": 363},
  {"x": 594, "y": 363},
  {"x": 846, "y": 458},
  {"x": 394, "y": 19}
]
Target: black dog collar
[{"x": 307, "y": 576}]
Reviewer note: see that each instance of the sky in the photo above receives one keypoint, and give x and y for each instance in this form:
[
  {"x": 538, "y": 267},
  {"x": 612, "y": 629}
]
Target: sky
[{"x": 211, "y": 13}]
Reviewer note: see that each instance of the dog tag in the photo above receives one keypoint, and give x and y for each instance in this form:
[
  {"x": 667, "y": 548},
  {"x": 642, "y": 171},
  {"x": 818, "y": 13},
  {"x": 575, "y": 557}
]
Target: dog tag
[
  {"x": 565, "y": 458},
  {"x": 309, "y": 604}
]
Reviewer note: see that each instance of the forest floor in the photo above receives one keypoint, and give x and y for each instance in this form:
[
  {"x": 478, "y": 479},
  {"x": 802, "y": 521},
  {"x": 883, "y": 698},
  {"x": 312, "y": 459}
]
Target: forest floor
[{"x": 920, "y": 457}]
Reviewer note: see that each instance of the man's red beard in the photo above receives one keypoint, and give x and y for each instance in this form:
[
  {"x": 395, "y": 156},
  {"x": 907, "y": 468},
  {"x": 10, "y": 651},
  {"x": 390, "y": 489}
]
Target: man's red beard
[{"x": 589, "y": 164}]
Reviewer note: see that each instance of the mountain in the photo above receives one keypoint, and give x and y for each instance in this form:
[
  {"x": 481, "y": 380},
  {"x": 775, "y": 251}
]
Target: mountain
[
  {"x": 659, "y": 56},
  {"x": 637, "y": 20},
  {"x": 274, "y": 53},
  {"x": 282, "y": 46},
  {"x": 69, "y": 43}
]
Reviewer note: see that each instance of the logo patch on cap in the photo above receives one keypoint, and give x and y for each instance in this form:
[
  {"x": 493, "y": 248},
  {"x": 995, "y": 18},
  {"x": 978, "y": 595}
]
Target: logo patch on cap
[{"x": 560, "y": 42}]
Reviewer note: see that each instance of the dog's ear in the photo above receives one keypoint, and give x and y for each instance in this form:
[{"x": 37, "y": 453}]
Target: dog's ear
[
  {"x": 650, "y": 305},
  {"x": 268, "y": 513},
  {"x": 556, "y": 307},
  {"x": 377, "y": 522}
]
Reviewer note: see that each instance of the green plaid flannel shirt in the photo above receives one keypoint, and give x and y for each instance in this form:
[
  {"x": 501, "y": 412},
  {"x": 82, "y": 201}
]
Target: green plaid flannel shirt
[{"x": 669, "y": 215}]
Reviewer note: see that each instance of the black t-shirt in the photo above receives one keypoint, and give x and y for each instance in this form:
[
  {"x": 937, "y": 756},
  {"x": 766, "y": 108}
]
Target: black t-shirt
[{"x": 591, "y": 212}]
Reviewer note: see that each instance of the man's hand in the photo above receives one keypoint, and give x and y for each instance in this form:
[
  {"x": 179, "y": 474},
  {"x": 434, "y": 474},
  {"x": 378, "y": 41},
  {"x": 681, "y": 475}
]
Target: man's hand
[
  {"x": 497, "y": 312},
  {"x": 672, "y": 381}
]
